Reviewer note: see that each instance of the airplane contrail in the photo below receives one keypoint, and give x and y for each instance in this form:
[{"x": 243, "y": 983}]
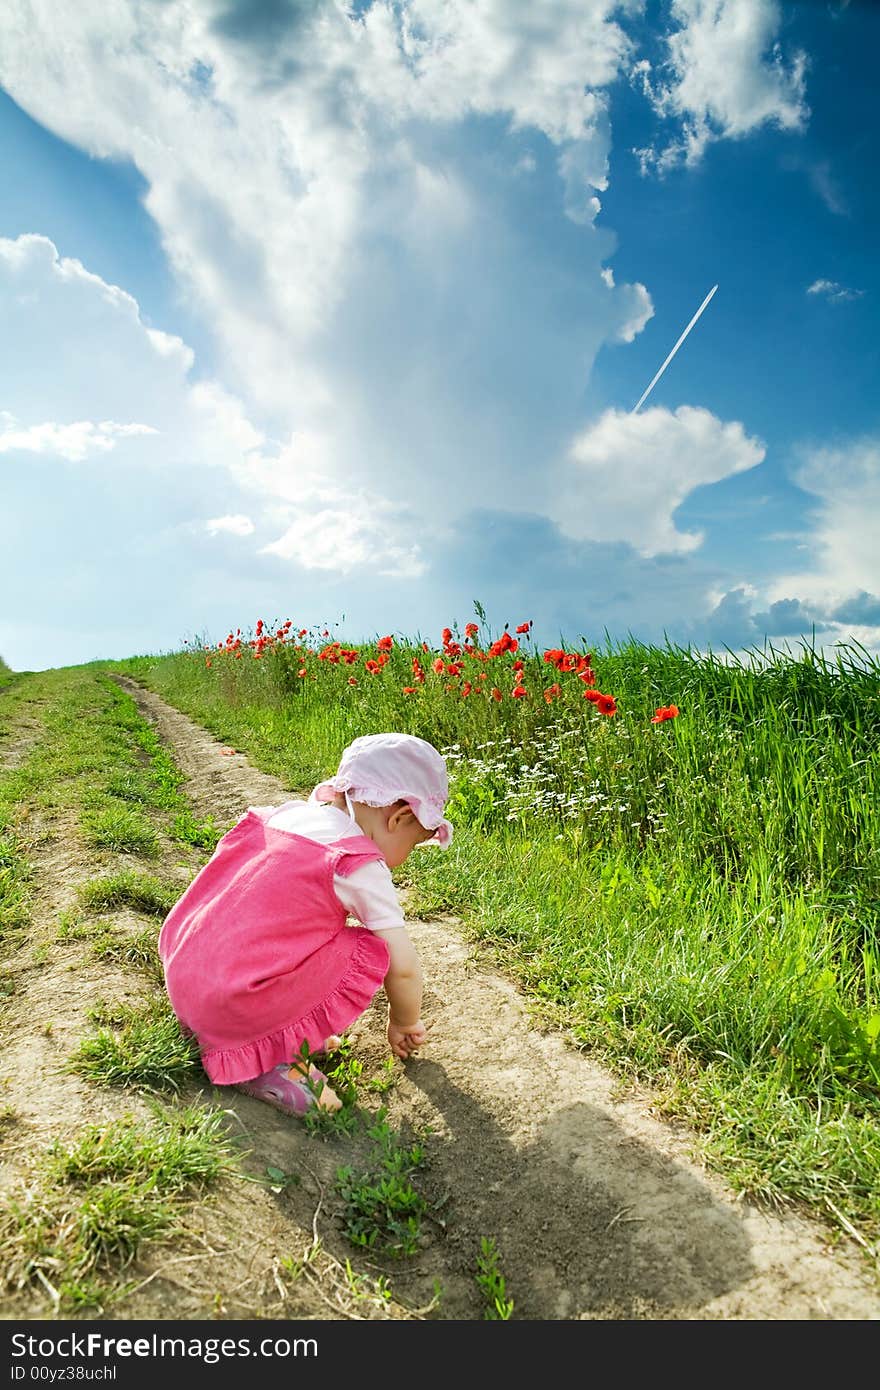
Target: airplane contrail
[{"x": 657, "y": 377}]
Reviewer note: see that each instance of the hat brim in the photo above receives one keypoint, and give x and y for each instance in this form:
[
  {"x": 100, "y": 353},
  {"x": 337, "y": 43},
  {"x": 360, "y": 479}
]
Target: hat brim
[{"x": 442, "y": 835}]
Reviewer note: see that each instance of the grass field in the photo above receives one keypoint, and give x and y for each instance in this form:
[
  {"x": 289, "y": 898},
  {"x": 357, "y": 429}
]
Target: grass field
[
  {"x": 676, "y": 855},
  {"x": 696, "y": 898}
]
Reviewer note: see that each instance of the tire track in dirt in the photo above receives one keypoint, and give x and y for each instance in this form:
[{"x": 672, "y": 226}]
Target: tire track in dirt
[{"x": 599, "y": 1210}]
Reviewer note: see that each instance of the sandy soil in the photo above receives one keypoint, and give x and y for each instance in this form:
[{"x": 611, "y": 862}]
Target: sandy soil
[{"x": 599, "y": 1210}]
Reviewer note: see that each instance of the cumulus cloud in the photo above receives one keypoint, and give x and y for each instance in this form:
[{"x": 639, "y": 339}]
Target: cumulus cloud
[
  {"x": 845, "y": 481},
  {"x": 62, "y": 319},
  {"x": 347, "y": 538},
  {"x": 837, "y": 593},
  {"x": 725, "y": 75},
  {"x": 627, "y": 474},
  {"x": 291, "y": 116}
]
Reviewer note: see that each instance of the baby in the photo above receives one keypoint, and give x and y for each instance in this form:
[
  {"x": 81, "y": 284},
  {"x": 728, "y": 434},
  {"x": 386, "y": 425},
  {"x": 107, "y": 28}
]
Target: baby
[{"x": 258, "y": 953}]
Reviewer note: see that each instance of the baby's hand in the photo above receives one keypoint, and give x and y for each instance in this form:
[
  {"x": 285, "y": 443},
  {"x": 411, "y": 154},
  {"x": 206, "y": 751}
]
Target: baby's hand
[{"x": 404, "y": 1041}]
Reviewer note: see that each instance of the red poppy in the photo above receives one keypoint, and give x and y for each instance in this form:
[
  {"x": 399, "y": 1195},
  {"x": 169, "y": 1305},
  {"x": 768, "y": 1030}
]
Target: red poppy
[
  {"x": 606, "y": 704},
  {"x": 518, "y": 692},
  {"x": 471, "y": 629},
  {"x": 505, "y": 643},
  {"x": 301, "y": 671},
  {"x": 372, "y": 667},
  {"x": 385, "y": 644},
  {"x": 409, "y": 690},
  {"x": 446, "y": 635},
  {"x": 496, "y": 693},
  {"x": 552, "y": 691},
  {"x": 665, "y": 712},
  {"x": 524, "y": 627},
  {"x": 438, "y": 666},
  {"x": 466, "y": 690},
  {"x": 592, "y": 695}
]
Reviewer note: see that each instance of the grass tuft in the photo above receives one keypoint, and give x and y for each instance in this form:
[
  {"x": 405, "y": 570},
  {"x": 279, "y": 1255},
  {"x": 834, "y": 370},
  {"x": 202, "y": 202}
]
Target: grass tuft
[
  {"x": 137, "y": 1046},
  {"x": 98, "y": 1199},
  {"x": 128, "y": 888}
]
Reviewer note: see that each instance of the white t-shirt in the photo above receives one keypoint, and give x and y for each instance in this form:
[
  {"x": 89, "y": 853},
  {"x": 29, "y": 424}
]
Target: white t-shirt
[{"x": 367, "y": 893}]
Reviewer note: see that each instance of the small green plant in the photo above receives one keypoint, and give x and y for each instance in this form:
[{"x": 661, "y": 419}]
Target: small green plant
[
  {"x": 139, "y": 949},
  {"x": 491, "y": 1282},
  {"x": 386, "y": 1079},
  {"x": 278, "y": 1181},
  {"x": 383, "y": 1210}
]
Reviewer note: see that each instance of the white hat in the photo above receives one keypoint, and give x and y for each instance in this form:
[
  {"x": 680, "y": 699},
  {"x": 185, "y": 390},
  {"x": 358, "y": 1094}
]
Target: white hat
[{"x": 379, "y": 769}]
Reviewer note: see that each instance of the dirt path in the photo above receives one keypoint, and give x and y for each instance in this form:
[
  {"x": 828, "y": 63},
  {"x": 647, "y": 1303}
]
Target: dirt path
[{"x": 597, "y": 1208}]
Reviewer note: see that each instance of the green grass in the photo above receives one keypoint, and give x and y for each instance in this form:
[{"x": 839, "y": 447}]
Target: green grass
[
  {"x": 6, "y": 675},
  {"x": 129, "y": 888},
  {"x": 137, "y": 1045},
  {"x": 96, "y": 1200},
  {"x": 120, "y": 829},
  {"x": 697, "y": 902}
]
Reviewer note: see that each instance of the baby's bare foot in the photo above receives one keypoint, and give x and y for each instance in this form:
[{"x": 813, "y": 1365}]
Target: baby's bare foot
[{"x": 327, "y": 1099}]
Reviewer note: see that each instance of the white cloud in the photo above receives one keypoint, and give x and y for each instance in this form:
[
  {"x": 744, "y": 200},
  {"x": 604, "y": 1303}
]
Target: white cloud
[
  {"x": 637, "y": 311},
  {"x": 834, "y": 292},
  {"x": 346, "y": 539},
  {"x": 294, "y": 120},
  {"x": 627, "y": 474},
  {"x": 845, "y": 557},
  {"x": 837, "y": 593},
  {"x": 58, "y": 313},
  {"x": 229, "y": 525},
  {"x": 74, "y": 441},
  {"x": 727, "y": 77}
]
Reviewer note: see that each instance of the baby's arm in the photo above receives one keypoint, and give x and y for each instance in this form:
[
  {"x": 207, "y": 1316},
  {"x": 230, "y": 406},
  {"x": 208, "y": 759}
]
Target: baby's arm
[{"x": 403, "y": 988}]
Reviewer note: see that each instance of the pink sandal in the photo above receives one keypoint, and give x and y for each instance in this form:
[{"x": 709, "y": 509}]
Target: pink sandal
[{"x": 278, "y": 1089}]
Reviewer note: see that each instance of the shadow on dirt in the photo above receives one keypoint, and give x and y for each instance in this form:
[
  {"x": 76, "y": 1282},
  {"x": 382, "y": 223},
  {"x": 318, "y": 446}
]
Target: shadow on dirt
[{"x": 584, "y": 1233}]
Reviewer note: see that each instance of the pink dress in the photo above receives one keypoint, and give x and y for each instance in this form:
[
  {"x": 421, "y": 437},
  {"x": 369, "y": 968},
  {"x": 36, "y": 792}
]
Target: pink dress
[{"x": 257, "y": 953}]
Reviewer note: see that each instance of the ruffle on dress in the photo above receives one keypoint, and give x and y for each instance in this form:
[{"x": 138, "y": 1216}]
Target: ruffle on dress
[{"x": 367, "y": 968}]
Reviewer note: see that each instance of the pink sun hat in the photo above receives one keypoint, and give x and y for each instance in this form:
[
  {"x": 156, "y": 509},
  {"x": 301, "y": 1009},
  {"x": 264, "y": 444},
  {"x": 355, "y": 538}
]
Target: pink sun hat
[{"x": 379, "y": 769}]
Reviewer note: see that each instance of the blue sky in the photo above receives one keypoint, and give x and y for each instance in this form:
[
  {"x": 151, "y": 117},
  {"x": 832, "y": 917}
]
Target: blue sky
[{"x": 342, "y": 312}]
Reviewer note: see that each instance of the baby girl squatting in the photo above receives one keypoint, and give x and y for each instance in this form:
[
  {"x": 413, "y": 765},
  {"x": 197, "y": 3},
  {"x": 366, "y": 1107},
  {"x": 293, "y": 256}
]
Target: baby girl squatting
[{"x": 294, "y": 924}]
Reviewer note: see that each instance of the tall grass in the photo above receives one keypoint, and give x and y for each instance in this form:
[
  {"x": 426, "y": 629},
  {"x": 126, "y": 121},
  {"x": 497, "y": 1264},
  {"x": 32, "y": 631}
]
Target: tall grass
[{"x": 696, "y": 900}]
